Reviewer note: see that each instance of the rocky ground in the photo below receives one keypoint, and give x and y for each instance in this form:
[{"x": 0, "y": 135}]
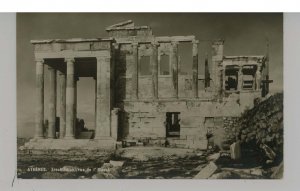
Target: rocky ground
[
  {"x": 132, "y": 162},
  {"x": 148, "y": 163}
]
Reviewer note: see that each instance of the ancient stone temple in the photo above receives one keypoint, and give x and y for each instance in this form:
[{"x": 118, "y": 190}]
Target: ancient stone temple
[{"x": 142, "y": 91}]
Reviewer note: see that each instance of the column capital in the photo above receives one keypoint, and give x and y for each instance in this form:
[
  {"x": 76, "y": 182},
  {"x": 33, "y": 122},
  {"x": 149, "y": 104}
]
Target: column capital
[
  {"x": 60, "y": 73},
  {"x": 41, "y": 60},
  {"x": 102, "y": 58},
  {"x": 218, "y": 42},
  {"x": 69, "y": 60},
  {"x": 116, "y": 45},
  {"x": 155, "y": 43},
  {"x": 195, "y": 42},
  {"x": 115, "y": 111},
  {"x": 51, "y": 67},
  {"x": 174, "y": 43}
]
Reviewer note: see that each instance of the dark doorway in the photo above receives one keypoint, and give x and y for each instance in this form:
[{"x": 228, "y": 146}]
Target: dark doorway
[{"x": 172, "y": 124}]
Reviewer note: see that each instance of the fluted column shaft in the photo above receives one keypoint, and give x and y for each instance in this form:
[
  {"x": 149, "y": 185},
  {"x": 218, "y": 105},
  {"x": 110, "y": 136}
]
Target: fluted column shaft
[
  {"x": 62, "y": 122},
  {"x": 195, "y": 68},
  {"x": 70, "y": 99},
  {"x": 135, "y": 68},
  {"x": 39, "y": 116},
  {"x": 52, "y": 102},
  {"x": 174, "y": 64},
  {"x": 103, "y": 113},
  {"x": 154, "y": 63}
]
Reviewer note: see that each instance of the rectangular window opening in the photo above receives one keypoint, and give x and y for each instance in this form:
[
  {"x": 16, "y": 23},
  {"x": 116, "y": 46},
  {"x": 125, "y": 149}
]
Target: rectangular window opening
[
  {"x": 249, "y": 72},
  {"x": 145, "y": 67},
  {"x": 164, "y": 66},
  {"x": 231, "y": 77},
  {"x": 185, "y": 58},
  {"x": 173, "y": 124}
]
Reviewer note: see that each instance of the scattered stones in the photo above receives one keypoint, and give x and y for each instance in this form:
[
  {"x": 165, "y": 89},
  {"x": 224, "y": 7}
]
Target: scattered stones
[
  {"x": 268, "y": 151},
  {"x": 199, "y": 168},
  {"x": 200, "y": 153},
  {"x": 278, "y": 172},
  {"x": 119, "y": 144},
  {"x": 223, "y": 175},
  {"x": 257, "y": 172},
  {"x": 213, "y": 157},
  {"x": 207, "y": 171},
  {"x": 116, "y": 163}
]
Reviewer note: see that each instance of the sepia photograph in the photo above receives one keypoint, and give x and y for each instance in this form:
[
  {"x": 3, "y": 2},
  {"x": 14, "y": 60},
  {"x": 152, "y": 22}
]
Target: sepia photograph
[{"x": 149, "y": 96}]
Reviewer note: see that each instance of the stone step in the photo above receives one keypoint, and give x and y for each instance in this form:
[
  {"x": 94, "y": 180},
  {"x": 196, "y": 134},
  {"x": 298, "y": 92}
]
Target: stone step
[{"x": 85, "y": 135}]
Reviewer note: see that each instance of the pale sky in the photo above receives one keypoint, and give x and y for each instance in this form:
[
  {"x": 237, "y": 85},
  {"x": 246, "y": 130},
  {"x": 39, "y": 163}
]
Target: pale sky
[{"x": 244, "y": 34}]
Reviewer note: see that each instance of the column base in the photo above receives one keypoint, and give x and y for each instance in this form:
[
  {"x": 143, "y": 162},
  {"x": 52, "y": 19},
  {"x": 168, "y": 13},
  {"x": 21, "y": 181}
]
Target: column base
[
  {"x": 104, "y": 138},
  {"x": 69, "y": 137},
  {"x": 38, "y": 137}
]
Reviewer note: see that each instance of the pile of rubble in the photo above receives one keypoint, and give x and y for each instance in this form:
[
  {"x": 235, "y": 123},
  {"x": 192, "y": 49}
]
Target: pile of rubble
[
  {"x": 254, "y": 146},
  {"x": 262, "y": 127}
]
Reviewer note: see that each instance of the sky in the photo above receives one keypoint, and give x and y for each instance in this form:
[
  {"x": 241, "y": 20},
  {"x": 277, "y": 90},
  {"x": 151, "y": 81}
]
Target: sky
[{"x": 244, "y": 34}]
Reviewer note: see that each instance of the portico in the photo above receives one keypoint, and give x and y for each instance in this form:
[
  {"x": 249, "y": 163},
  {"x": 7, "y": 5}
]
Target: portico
[{"x": 67, "y": 61}]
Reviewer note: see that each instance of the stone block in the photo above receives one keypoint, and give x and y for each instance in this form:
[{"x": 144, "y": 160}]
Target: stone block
[
  {"x": 116, "y": 163},
  {"x": 235, "y": 151},
  {"x": 85, "y": 135},
  {"x": 207, "y": 171},
  {"x": 213, "y": 157},
  {"x": 119, "y": 145}
]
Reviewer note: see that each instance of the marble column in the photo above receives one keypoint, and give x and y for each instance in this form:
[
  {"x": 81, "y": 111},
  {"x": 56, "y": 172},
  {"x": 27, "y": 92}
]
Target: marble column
[
  {"x": 154, "y": 63},
  {"x": 174, "y": 64},
  {"x": 62, "y": 122},
  {"x": 95, "y": 101},
  {"x": 195, "y": 68},
  {"x": 114, "y": 122},
  {"x": 240, "y": 79},
  {"x": 39, "y": 116},
  {"x": 103, "y": 98},
  {"x": 217, "y": 58},
  {"x": 224, "y": 78},
  {"x": 70, "y": 98},
  {"x": 75, "y": 86},
  {"x": 52, "y": 103},
  {"x": 135, "y": 68}
]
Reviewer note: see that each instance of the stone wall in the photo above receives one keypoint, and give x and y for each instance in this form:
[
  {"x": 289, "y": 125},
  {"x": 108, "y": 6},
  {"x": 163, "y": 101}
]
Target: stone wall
[
  {"x": 231, "y": 124},
  {"x": 146, "y": 119}
]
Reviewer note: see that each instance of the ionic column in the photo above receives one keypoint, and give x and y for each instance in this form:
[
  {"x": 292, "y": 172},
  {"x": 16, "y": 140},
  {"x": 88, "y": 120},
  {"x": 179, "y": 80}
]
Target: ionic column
[
  {"x": 174, "y": 64},
  {"x": 195, "y": 68},
  {"x": 75, "y": 86},
  {"x": 134, "y": 78},
  {"x": 240, "y": 80},
  {"x": 224, "y": 80},
  {"x": 217, "y": 58},
  {"x": 62, "y": 121},
  {"x": 39, "y": 116},
  {"x": 103, "y": 98},
  {"x": 70, "y": 98},
  {"x": 154, "y": 63},
  {"x": 114, "y": 123},
  {"x": 52, "y": 103},
  {"x": 95, "y": 101}
]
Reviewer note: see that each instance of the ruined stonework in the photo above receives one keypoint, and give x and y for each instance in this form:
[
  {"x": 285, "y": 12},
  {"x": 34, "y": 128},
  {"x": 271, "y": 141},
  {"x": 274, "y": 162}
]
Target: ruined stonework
[{"x": 142, "y": 93}]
